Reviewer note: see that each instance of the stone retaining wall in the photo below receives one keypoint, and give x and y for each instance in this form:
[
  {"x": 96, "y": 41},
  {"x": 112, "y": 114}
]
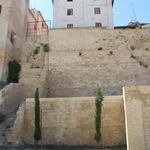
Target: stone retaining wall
[{"x": 70, "y": 121}]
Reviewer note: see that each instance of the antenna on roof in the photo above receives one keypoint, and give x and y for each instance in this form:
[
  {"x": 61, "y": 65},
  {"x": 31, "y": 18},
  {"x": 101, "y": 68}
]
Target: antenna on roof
[
  {"x": 134, "y": 23},
  {"x": 133, "y": 18}
]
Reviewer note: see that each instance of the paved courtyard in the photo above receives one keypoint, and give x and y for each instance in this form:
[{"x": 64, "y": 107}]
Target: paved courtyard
[{"x": 57, "y": 148}]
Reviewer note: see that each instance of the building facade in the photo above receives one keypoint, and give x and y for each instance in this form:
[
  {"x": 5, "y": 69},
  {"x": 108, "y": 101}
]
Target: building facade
[
  {"x": 36, "y": 24},
  {"x": 13, "y": 24},
  {"x": 83, "y": 13}
]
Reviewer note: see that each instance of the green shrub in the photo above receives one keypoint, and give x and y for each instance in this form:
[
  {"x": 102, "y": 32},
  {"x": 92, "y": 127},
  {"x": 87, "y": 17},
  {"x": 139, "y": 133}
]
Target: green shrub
[
  {"x": 14, "y": 69},
  {"x": 46, "y": 48},
  {"x": 132, "y": 47},
  {"x": 141, "y": 63},
  {"x": 37, "y": 130},
  {"x": 146, "y": 49},
  {"x": 98, "y": 106},
  {"x": 2, "y": 118},
  {"x": 37, "y": 50}
]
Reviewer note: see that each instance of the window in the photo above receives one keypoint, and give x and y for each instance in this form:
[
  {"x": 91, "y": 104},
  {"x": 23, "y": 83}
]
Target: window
[
  {"x": 98, "y": 25},
  {"x": 42, "y": 25},
  {"x": 69, "y": 25},
  {"x": 35, "y": 26},
  {"x": 97, "y": 10},
  {"x": 69, "y": 12},
  {"x": 0, "y": 9}
]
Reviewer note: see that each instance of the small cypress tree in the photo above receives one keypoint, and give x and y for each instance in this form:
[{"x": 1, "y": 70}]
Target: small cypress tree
[
  {"x": 98, "y": 106},
  {"x": 37, "y": 130}
]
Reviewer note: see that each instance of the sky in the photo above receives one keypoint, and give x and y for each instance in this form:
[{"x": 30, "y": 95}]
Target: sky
[{"x": 124, "y": 11}]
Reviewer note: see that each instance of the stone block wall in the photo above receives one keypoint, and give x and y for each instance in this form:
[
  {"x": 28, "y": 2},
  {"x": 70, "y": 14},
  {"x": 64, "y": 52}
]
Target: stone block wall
[
  {"x": 82, "y": 58},
  {"x": 34, "y": 72},
  {"x": 76, "y": 66},
  {"x": 71, "y": 75},
  {"x": 28, "y": 53},
  {"x": 70, "y": 121},
  {"x": 12, "y": 20},
  {"x": 137, "y": 117},
  {"x": 81, "y": 39},
  {"x": 4, "y": 25},
  {"x": 10, "y": 98},
  {"x": 32, "y": 78},
  {"x": 19, "y": 123}
]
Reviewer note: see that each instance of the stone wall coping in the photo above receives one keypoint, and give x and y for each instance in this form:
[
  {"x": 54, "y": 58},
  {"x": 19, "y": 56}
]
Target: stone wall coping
[{"x": 106, "y": 98}]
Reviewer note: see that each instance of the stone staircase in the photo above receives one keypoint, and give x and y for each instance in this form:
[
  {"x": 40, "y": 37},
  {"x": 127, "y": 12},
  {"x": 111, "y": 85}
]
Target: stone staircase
[
  {"x": 3, "y": 138},
  {"x": 6, "y": 130},
  {"x": 34, "y": 76},
  {"x": 31, "y": 73}
]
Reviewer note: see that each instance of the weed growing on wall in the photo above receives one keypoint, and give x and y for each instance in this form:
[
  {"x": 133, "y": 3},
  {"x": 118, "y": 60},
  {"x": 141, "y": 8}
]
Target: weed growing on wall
[
  {"x": 132, "y": 47},
  {"x": 37, "y": 130},
  {"x": 36, "y": 50},
  {"x": 98, "y": 109},
  {"x": 46, "y": 48},
  {"x": 14, "y": 69}
]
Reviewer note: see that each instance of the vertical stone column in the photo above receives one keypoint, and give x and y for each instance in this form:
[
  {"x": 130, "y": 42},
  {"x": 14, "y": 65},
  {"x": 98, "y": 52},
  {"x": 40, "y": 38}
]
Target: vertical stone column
[{"x": 135, "y": 99}]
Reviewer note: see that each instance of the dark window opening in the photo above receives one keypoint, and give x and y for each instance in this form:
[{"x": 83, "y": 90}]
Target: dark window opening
[
  {"x": 69, "y": 25},
  {"x": 35, "y": 27},
  {"x": 42, "y": 25},
  {"x": 69, "y": 12},
  {"x": 98, "y": 25},
  {"x": 97, "y": 10},
  {"x": 0, "y": 9}
]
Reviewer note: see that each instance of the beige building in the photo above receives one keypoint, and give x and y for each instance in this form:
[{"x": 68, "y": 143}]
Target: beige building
[{"x": 12, "y": 30}]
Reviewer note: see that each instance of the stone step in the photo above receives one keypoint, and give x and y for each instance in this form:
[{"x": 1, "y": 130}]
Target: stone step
[
  {"x": 32, "y": 73},
  {"x": 33, "y": 76},
  {"x": 26, "y": 65}
]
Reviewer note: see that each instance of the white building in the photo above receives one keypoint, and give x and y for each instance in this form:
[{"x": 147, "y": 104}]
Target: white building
[
  {"x": 147, "y": 25},
  {"x": 83, "y": 13}
]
